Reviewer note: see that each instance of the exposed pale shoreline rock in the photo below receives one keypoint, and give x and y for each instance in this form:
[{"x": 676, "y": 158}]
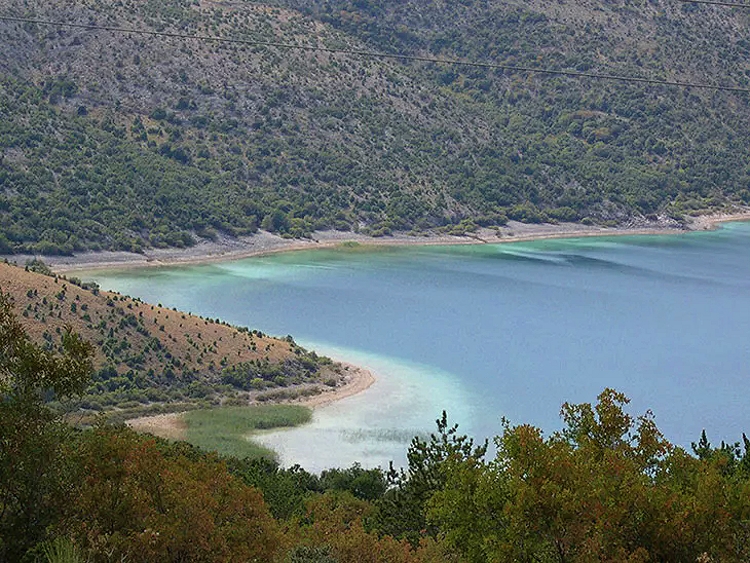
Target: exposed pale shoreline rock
[{"x": 264, "y": 243}]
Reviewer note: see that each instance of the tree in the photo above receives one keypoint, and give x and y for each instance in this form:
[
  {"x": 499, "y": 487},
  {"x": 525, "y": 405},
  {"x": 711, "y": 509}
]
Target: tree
[
  {"x": 284, "y": 490},
  {"x": 402, "y": 509},
  {"x": 138, "y": 500},
  {"x": 32, "y": 467},
  {"x": 733, "y": 457},
  {"x": 365, "y": 484},
  {"x": 334, "y": 525}
]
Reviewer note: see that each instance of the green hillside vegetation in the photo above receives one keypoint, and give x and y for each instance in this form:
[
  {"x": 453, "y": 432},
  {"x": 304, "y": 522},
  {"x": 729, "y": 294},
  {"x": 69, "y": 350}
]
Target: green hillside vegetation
[
  {"x": 150, "y": 359},
  {"x": 118, "y": 141},
  {"x": 608, "y": 487}
]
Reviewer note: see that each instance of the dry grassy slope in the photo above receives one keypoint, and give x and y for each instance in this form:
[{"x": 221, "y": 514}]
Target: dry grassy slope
[{"x": 123, "y": 328}]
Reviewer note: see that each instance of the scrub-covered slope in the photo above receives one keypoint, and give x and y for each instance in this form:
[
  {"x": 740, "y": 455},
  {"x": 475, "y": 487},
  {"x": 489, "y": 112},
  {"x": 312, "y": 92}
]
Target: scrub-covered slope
[
  {"x": 113, "y": 140},
  {"x": 148, "y": 356}
]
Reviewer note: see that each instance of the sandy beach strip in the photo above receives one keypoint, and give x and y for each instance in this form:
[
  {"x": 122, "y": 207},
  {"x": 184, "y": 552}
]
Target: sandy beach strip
[
  {"x": 264, "y": 243},
  {"x": 356, "y": 380}
]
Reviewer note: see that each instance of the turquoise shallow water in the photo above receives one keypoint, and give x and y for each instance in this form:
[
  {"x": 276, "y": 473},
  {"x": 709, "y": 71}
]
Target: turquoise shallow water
[
  {"x": 488, "y": 331},
  {"x": 376, "y": 426}
]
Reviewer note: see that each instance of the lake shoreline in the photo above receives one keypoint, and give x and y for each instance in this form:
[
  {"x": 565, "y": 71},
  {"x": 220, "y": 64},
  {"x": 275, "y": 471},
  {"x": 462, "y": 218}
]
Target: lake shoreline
[
  {"x": 172, "y": 426},
  {"x": 357, "y": 380},
  {"x": 541, "y": 232},
  {"x": 263, "y": 243}
]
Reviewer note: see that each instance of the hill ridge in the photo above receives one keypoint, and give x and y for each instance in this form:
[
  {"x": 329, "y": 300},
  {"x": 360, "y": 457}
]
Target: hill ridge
[{"x": 151, "y": 358}]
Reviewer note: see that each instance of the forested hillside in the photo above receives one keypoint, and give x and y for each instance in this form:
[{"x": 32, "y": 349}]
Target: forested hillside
[{"x": 124, "y": 141}]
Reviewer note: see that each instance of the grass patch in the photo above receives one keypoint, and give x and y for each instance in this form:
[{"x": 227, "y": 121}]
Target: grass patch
[{"x": 225, "y": 429}]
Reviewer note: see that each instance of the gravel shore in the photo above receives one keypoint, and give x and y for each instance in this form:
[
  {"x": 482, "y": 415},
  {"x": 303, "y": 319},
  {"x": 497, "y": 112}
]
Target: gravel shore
[{"x": 264, "y": 243}]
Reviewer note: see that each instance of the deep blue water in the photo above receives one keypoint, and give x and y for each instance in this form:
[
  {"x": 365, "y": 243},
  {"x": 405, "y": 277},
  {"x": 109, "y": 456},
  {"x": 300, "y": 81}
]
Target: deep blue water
[{"x": 509, "y": 330}]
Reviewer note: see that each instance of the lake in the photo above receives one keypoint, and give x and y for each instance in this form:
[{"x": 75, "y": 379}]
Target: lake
[{"x": 492, "y": 331}]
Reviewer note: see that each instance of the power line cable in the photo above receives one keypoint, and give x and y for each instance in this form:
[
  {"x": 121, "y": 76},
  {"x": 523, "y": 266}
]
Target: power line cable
[
  {"x": 717, "y": 3},
  {"x": 379, "y": 55}
]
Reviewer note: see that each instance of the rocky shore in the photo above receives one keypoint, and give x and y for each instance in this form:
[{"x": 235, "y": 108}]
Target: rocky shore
[{"x": 265, "y": 243}]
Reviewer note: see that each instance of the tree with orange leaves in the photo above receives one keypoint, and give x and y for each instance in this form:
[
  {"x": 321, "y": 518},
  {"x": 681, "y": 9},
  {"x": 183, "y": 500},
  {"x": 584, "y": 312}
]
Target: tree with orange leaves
[{"x": 136, "y": 503}]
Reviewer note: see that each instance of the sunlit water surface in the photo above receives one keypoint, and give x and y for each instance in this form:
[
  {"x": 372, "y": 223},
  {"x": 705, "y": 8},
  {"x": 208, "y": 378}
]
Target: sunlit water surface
[{"x": 491, "y": 331}]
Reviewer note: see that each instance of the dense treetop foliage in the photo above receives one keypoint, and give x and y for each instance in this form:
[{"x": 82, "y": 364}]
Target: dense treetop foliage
[
  {"x": 608, "y": 487},
  {"x": 116, "y": 141}
]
